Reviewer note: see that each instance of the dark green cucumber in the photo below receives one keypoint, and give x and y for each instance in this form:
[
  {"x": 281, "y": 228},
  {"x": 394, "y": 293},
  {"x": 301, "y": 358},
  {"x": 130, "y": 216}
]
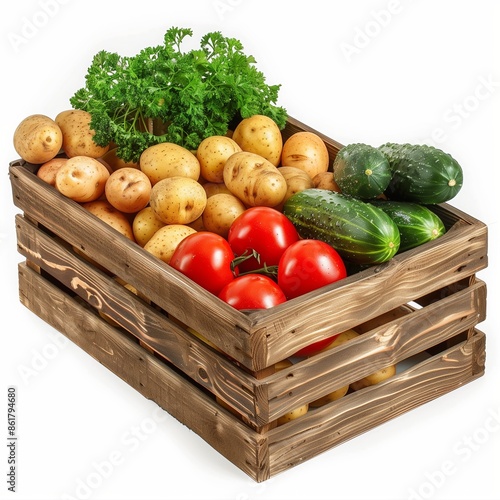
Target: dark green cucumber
[
  {"x": 361, "y": 170},
  {"x": 417, "y": 224},
  {"x": 360, "y": 232},
  {"x": 422, "y": 174}
]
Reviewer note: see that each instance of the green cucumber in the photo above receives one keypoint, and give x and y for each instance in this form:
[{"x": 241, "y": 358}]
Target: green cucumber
[
  {"x": 360, "y": 232},
  {"x": 422, "y": 174},
  {"x": 417, "y": 224},
  {"x": 361, "y": 170}
]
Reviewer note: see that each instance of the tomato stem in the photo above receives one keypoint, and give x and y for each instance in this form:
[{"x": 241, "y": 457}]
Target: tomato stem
[{"x": 271, "y": 271}]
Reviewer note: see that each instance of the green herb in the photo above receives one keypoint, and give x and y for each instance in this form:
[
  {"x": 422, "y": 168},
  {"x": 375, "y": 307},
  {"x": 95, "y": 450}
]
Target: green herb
[{"x": 163, "y": 94}]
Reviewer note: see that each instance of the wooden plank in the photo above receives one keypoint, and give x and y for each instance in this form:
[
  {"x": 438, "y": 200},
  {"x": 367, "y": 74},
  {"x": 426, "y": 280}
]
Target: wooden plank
[
  {"x": 243, "y": 447},
  {"x": 358, "y": 412}
]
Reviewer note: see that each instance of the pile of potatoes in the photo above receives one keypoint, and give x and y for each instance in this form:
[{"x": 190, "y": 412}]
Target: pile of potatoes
[{"x": 172, "y": 192}]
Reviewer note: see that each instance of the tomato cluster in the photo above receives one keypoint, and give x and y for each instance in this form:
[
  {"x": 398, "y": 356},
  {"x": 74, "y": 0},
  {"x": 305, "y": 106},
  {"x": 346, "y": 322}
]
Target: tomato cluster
[{"x": 262, "y": 263}]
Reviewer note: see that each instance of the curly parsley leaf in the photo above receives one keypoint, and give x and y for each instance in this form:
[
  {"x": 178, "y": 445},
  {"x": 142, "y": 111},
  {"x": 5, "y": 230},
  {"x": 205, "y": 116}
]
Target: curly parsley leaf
[{"x": 163, "y": 94}]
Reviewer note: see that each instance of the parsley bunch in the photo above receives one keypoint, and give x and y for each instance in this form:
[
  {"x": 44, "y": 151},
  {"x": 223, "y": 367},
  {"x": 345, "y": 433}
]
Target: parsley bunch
[{"x": 163, "y": 94}]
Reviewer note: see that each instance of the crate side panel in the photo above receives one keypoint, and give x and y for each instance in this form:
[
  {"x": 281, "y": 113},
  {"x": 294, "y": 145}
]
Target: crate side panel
[
  {"x": 153, "y": 379},
  {"x": 208, "y": 368},
  {"x": 378, "y": 348},
  {"x": 154, "y": 279},
  {"x": 461, "y": 253},
  {"x": 359, "y": 412}
]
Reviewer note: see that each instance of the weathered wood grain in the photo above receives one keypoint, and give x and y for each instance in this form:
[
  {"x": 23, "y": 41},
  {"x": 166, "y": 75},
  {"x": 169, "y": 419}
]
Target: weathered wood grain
[
  {"x": 243, "y": 447},
  {"x": 354, "y": 414},
  {"x": 152, "y": 328},
  {"x": 261, "y": 456}
]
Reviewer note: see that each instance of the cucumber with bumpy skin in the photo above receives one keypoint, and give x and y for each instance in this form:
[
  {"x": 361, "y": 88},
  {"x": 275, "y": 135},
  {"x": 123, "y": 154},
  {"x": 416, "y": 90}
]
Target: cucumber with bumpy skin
[
  {"x": 417, "y": 224},
  {"x": 361, "y": 170},
  {"x": 422, "y": 174},
  {"x": 360, "y": 232}
]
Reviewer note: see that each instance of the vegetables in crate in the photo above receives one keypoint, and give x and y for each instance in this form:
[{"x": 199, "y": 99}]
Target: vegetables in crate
[
  {"x": 163, "y": 94},
  {"x": 422, "y": 173},
  {"x": 359, "y": 231}
]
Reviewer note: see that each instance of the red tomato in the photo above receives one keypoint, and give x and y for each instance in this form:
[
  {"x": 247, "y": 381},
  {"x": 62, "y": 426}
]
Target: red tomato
[
  {"x": 252, "y": 291},
  {"x": 307, "y": 265},
  {"x": 265, "y": 230},
  {"x": 206, "y": 258},
  {"x": 315, "y": 347}
]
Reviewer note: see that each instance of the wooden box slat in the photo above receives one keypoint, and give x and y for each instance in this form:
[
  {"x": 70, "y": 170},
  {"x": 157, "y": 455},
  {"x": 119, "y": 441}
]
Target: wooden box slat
[{"x": 261, "y": 456}]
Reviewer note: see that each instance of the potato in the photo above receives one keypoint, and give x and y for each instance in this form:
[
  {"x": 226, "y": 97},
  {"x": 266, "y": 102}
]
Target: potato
[
  {"x": 307, "y": 151},
  {"x": 374, "y": 378},
  {"x": 145, "y": 224},
  {"x": 197, "y": 224},
  {"x": 115, "y": 162},
  {"x": 328, "y": 398},
  {"x": 254, "y": 180},
  {"x": 47, "y": 172},
  {"x": 38, "y": 139},
  {"x": 296, "y": 180},
  {"x": 341, "y": 339},
  {"x": 111, "y": 216},
  {"x": 164, "y": 242},
  {"x": 166, "y": 159},
  {"x": 128, "y": 189},
  {"x": 326, "y": 180},
  {"x": 212, "y": 154},
  {"x": 220, "y": 212},
  {"x": 212, "y": 188},
  {"x": 259, "y": 134},
  {"x": 82, "y": 179},
  {"x": 78, "y": 137},
  {"x": 178, "y": 200}
]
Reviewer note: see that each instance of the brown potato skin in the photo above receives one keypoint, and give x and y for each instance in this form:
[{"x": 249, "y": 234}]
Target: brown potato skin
[
  {"x": 220, "y": 212},
  {"x": 254, "y": 180},
  {"x": 82, "y": 179},
  {"x": 47, "y": 171},
  {"x": 128, "y": 189},
  {"x": 77, "y": 134},
  {"x": 212, "y": 154},
  {"x": 164, "y": 242},
  {"x": 306, "y": 150},
  {"x": 37, "y": 139},
  {"x": 111, "y": 216},
  {"x": 167, "y": 159},
  {"x": 145, "y": 224},
  {"x": 259, "y": 134},
  {"x": 178, "y": 200}
]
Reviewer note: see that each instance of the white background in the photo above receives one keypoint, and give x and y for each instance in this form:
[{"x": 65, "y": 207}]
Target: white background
[{"x": 363, "y": 71}]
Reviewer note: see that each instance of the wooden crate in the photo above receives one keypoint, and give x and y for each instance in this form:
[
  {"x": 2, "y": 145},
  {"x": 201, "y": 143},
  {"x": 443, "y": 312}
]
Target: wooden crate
[{"x": 419, "y": 311}]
